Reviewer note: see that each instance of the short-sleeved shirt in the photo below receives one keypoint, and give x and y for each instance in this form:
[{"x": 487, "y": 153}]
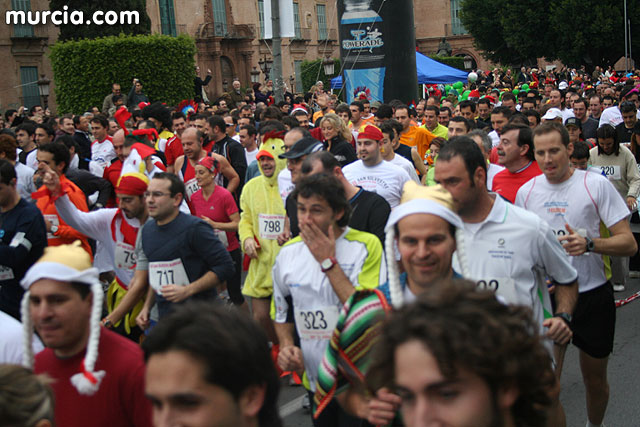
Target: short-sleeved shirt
[
  {"x": 384, "y": 179},
  {"x": 582, "y": 201},
  {"x": 217, "y": 208},
  {"x": 507, "y": 183},
  {"x": 297, "y": 274},
  {"x": 511, "y": 252}
]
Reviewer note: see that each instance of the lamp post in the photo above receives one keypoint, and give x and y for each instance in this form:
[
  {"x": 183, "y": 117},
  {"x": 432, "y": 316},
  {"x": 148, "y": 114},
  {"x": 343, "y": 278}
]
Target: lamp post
[
  {"x": 265, "y": 65},
  {"x": 328, "y": 66},
  {"x": 468, "y": 62},
  {"x": 255, "y": 75},
  {"x": 292, "y": 80},
  {"x": 43, "y": 89}
]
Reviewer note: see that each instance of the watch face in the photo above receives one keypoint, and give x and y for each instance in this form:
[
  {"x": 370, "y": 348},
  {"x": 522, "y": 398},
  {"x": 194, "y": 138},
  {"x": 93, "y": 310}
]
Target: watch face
[{"x": 326, "y": 263}]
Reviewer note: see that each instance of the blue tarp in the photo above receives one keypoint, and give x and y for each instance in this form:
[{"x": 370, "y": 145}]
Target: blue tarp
[{"x": 429, "y": 70}]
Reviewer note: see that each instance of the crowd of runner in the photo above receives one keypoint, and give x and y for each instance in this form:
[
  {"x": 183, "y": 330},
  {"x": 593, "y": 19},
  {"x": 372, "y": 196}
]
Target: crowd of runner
[{"x": 405, "y": 264}]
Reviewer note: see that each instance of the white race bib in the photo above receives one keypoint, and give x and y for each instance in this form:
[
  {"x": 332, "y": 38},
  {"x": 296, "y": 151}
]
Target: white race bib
[
  {"x": 612, "y": 172},
  {"x": 316, "y": 324},
  {"x": 163, "y": 273},
  {"x": 191, "y": 187},
  {"x": 503, "y": 286},
  {"x": 53, "y": 219},
  {"x": 222, "y": 235},
  {"x": 125, "y": 256},
  {"x": 271, "y": 226},
  {"x": 6, "y": 273}
]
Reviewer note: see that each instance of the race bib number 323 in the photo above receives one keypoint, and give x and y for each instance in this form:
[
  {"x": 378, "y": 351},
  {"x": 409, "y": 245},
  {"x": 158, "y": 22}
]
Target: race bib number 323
[{"x": 316, "y": 324}]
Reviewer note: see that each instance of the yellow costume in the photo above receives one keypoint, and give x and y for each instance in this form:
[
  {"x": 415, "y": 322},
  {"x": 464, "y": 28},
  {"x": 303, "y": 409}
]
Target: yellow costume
[{"x": 262, "y": 218}]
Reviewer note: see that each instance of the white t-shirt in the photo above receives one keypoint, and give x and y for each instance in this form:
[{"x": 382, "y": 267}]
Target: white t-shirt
[
  {"x": 285, "y": 185},
  {"x": 102, "y": 152},
  {"x": 316, "y": 306},
  {"x": 11, "y": 348},
  {"x": 24, "y": 183},
  {"x": 31, "y": 160},
  {"x": 406, "y": 165},
  {"x": 582, "y": 201},
  {"x": 495, "y": 138},
  {"x": 251, "y": 155},
  {"x": 511, "y": 252},
  {"x": 612, "y": 116},
  {"x": 385, "y": 179},
  {"x": 492, "y": 171}
]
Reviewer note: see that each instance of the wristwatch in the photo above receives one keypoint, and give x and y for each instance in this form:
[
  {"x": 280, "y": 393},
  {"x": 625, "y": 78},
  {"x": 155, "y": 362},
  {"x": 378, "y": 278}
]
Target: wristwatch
[
  {"x": 590, "y": 245},
  {"x": 327, "y": 264},
  {"x": 54, "y": 229},
  {"x": 564, "y": 316}
]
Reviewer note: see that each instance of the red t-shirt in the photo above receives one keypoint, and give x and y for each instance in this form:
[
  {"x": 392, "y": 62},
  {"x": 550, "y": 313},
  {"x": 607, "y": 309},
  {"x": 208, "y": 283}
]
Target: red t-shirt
[
  {"x": 173, "y": 150},
  {"x": 218, "y": 208},
  {"x": 507, "y": 184},
  {"x": 120, "y": 400}
]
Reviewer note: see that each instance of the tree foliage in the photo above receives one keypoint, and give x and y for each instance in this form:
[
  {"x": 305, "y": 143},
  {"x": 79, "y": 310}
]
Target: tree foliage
[
  {"x": 84, "y": 70},
  {"x": 451, "y": 61},
  {"x": 516, "y": 32},
  {"x": 312, "y": 71},
  {"x": 70, "y": 31}
]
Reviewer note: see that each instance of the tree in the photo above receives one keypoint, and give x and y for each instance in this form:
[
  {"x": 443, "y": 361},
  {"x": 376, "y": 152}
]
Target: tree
[
  {"x": 516, "y": 32},
  {"x": 71, "y": 31},
  {"x": 84, "y": 70}
]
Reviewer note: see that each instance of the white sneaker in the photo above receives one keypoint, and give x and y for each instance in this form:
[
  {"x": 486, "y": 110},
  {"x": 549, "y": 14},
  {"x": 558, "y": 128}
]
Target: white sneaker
[
  {"x": 618, "y": 287},
  {"x": 634, "y": 274}
]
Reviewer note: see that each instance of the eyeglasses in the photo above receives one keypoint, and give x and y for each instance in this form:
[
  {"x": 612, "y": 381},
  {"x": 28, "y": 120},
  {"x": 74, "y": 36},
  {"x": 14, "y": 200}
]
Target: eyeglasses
[
  {"x": 229, "y": 125},
  {"x": 155, "y": 194}
]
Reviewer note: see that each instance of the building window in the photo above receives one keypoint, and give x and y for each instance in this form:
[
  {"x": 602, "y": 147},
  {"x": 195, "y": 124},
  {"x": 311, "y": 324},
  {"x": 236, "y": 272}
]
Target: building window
[
  {"x": 321, "y": 12},
  {"x": 456, "y": 23},
  {"x": 22, "y": 30},
  {"x": 219, "y": 18},
  {"x": 297, "y": 66},
  {"x": 167, "y": 17},
  {"x": 296, "y": 20},
  {"x": 261, "y": 17},
  {"x": 29, "y": 81}
]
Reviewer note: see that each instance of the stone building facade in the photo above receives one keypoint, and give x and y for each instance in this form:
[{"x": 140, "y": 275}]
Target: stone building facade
[
  {"x": 24, "y": 50},
  {"x": 229, "y": 40}
]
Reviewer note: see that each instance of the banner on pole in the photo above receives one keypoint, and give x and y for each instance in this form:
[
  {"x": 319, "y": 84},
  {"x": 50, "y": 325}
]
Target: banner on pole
[{"x": 287, "y": 28}]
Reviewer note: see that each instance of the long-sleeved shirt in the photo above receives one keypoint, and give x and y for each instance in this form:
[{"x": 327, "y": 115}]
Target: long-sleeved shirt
[{"x": 621, "y": 170}]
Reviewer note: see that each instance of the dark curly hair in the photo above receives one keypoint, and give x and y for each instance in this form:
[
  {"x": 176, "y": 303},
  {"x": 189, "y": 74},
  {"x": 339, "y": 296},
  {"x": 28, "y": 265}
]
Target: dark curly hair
[
  {"x": 465, "y": 328},
  {"x": 159, "y": 112}
]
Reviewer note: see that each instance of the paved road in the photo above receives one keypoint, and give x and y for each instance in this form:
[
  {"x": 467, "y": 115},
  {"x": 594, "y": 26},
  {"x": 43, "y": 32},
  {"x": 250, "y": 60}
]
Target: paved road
[{"x": 624, "y": 366}]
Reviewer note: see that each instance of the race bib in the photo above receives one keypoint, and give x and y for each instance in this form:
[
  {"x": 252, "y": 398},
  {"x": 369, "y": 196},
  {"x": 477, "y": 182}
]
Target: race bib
[
  {"x": 503, "y": 286},
  {"x": 125, "y": 256},
  {"x": 316, "y": 324},
  {"x": 53, "y": 219},
  {"x": 191, "y": 187},
  {"x": 222, "y": 235},
  {"x": 6, "y": 273},
  {"x": 163, "y": 273},
  {"x": 612, "y": 172},
  {"x": 270, "y": 226}
]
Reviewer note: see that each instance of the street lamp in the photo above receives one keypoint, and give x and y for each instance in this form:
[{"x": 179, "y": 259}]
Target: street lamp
[
  {"x": 265, "y": 65},
  {"x": 328, "y": 65},
  {"x": 468, "y": 62},
  {"x": 255, "y": 75},
  {"x": 43, "y": 89}
]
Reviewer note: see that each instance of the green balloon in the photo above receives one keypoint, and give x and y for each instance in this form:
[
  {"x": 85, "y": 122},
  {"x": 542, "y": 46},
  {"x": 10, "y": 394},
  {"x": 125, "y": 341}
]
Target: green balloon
[
  {"x": 516, "y": 92},
  {"x": 447, "y": 88},
  {"x": 458, "y": 85},
  {"x": 525, "y": 87}
]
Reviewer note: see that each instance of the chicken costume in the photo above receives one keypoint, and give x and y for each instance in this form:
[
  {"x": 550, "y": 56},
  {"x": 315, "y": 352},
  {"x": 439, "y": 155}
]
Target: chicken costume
[{"x": 262, "y": 218}]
